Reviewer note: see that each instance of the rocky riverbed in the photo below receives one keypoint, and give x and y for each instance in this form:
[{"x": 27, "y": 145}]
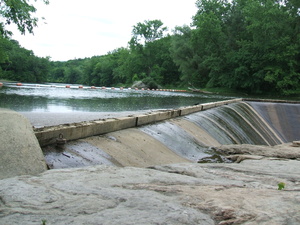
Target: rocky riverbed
[{"x": 244, "y": 192}]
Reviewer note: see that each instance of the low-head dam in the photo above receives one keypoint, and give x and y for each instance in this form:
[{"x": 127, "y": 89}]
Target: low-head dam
[{"x": 169, "y": 136}]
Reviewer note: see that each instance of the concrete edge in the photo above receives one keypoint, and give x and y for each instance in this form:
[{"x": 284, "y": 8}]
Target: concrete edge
[
  {"x": 49, "y": 135},
  {"x": 270, "y": 100}
]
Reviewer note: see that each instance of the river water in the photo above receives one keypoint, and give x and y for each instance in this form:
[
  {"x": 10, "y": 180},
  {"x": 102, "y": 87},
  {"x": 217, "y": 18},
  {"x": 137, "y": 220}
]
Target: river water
[
  {"x": 53, "y": 104},
  {"x": 58, "y": 99}
]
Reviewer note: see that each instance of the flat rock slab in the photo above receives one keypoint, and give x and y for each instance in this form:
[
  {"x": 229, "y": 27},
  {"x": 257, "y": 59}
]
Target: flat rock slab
[
  {"x": 188, "y": 193},
  {"x": 283, "y": 151}
]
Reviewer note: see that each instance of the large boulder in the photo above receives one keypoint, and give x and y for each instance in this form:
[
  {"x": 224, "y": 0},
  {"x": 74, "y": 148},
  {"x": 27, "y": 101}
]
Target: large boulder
[
  {"x": 19, "y": 149},
  {"x": 139, "y": 84}
]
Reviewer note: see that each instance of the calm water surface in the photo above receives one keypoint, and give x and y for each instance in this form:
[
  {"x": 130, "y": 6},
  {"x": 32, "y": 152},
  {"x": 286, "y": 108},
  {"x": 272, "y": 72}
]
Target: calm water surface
[{"x": 33, "y": 98}]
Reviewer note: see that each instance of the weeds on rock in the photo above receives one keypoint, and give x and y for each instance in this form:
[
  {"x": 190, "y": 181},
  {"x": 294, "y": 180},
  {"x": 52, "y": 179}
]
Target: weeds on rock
[{"x": 281, "y": 186}]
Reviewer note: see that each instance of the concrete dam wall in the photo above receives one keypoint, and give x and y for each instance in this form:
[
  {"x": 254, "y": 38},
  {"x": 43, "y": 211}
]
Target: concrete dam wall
[
  {"x": 183, "y": 135},
  {"x": 283, "y": 118}
]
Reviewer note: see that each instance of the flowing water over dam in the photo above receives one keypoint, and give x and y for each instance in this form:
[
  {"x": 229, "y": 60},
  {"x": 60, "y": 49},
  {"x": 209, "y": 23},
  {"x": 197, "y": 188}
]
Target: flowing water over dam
[
  {"x": 283, "y": 118},
  {"x": 184, "y": 138},
  {"x": 237, "y": 123}
]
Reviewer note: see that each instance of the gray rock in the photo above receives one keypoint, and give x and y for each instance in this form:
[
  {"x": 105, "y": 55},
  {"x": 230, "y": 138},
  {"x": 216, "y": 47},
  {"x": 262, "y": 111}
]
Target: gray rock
[
  {"x": 283, "y": 151},
  {"x": 188, "y": 193},
  {"x": 139, "y": 84},
  {"x": 19, "y": 149}
]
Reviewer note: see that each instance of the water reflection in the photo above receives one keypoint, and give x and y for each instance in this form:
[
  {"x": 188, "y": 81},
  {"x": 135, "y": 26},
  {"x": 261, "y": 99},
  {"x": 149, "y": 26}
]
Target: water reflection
[{"x": 53, "y": 99}]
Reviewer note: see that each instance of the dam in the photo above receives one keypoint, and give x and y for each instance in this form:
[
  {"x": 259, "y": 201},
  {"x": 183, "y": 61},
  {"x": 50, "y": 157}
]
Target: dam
[
  {"x": 188, "y": 134},
  {"x": 147, "y": 172},
  {"x": 154, "y": 167}
]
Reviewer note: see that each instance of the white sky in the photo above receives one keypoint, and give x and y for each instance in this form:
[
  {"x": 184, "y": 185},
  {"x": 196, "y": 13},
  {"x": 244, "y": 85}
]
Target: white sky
[{"x": 79, "y": 29}]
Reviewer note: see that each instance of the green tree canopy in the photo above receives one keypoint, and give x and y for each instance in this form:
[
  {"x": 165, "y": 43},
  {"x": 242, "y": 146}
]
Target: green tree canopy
[
  {"x": 251, "y": 45},
  {"x": 19, "y": 12},
  {"x": 146, "y": 32},
  {"x": 18, "y": 63}
]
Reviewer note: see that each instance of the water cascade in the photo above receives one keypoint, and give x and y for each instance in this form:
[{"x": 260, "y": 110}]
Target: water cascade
[
  {"x": 237, "y": 123},
  {"x": 283, "y": 118},
  {"x": 192, "y": 136},
  {"x": 177, "y": 139}
]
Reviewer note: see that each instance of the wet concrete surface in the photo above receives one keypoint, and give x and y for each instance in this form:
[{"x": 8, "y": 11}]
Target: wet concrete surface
[
  {"x": 177, "y": 139},
  {"x": 129, "y": 147},
  {"x": 76, "y": 154}
]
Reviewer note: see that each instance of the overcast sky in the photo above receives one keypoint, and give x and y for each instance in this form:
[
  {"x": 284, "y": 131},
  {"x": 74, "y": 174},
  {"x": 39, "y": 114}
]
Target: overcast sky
[{"x": 79, "y": 29}]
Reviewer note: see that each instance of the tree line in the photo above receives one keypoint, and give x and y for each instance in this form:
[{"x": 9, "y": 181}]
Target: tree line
[{"x": 247, "y": 45}]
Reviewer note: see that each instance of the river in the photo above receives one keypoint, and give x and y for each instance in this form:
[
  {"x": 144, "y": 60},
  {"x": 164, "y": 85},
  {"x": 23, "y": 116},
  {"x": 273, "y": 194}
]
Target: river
[
  {"x": 47, "y": 98},
  {"x": 53, "y": 104}
]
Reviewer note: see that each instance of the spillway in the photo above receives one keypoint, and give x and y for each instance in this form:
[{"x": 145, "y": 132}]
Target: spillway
[
  {"x": 184, "y": 138},
  {"x": 236, "y": 123},
  {"x": 283, "y": 118}
]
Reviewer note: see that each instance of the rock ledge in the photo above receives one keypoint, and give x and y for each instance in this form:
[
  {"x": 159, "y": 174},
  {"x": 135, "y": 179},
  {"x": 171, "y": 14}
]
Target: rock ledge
[{"x": 187, "y": 193}]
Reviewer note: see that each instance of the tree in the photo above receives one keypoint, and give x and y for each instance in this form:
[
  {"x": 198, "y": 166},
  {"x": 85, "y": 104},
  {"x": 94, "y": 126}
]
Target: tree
[
  {"x": 23, "y": 65},
  {"x": 252, "y": 45},
  {"x": 186, "y": 58},
  {"x": 148, "y": 31},
  {"x": 19, "y": 12},
  {"x": 72, "y": 74},
  {"x": 267, "y": 56},
  {"x": 123, "y": 66},
  {"x": 88, "y": 67},
  {"x": 143, "y": 39},
  {"x": 57, "y": 75},
  {"x": 5, "y": 45},
  {"x": 103, "y": 70}
]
